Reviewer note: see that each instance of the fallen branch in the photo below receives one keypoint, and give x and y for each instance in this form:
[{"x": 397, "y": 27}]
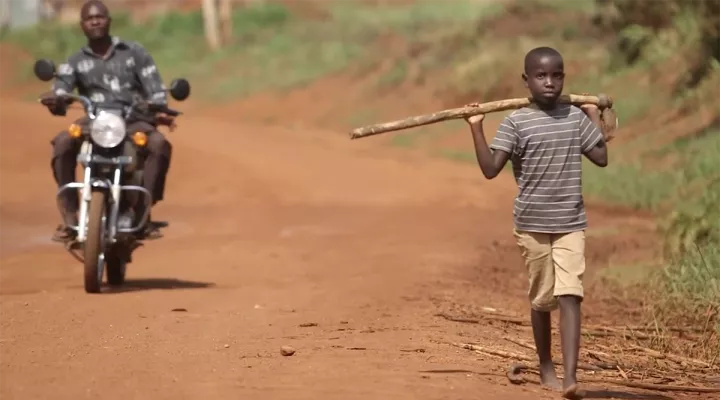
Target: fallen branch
[
  {"x": 447, "y": 371},
  {"x": 598, "y": 355},
  {"x": 657, "y": 387},
  {"x": 654, "y": 329},
  {"x": 624, "y": 375},
  {"x": 672, "y": 357},
  {"x": 494, "y": 352},
  {"x": 597, "y": 331},
  {"x": 458, "y": 319},
  {"x": 521, "y": 344},
  {"x": 521, "y": 357},
  {"x": 608, "y": 332},
  {"x": 515, "y": 377},
  {"x": 494, "y": 317}
]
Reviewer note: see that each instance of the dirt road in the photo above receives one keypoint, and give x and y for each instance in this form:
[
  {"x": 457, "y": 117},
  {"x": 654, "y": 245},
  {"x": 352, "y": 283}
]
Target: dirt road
[{"x": 270, "y": 229}]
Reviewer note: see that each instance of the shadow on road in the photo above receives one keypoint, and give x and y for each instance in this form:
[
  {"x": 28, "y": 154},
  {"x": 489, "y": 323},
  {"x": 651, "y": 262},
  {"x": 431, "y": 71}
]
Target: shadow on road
[{"x": 135, "y": 285}]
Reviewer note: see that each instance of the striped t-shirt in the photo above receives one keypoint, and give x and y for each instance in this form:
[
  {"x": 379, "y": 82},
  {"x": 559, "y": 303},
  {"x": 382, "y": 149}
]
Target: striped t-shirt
[{"x": 546, "y": 149}]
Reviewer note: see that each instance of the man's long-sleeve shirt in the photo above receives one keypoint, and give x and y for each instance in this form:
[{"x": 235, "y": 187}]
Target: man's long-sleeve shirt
[{"x": 126, "y": 71}]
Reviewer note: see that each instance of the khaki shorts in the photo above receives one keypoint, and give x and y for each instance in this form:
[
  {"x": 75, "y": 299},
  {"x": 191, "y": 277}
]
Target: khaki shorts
[{"x": 555, "y": 264}]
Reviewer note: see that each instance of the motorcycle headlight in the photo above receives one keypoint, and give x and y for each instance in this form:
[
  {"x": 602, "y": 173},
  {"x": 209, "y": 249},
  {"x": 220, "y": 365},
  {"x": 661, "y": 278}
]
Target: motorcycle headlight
[{"x": 108, "y": 129}]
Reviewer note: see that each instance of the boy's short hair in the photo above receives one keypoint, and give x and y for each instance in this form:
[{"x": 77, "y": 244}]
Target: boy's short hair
[{"x": 539, "y": 52}]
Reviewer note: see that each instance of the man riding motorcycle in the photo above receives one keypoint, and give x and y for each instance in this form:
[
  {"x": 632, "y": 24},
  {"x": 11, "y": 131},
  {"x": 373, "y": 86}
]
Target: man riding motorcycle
[{"x": 111, "y": 72}]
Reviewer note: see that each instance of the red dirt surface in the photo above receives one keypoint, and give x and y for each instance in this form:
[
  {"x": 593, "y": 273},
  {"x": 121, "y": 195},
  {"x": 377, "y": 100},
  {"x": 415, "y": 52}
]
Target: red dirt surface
[{"x": 271, "y": 228}]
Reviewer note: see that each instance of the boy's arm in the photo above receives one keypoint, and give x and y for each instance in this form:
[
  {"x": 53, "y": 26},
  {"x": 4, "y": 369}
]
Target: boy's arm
[
  {"x": 592, "y": 141},
  {"x": 492, "y": 162}
]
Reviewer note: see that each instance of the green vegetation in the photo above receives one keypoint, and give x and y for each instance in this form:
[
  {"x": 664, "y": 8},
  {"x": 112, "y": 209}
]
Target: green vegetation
[
  {"x": 683, "y": 189},
  {"x": 273, "y": 49}
]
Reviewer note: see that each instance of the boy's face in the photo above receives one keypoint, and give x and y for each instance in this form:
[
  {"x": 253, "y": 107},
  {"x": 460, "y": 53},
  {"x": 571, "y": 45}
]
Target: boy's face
[{"x": 544, "y": 77}]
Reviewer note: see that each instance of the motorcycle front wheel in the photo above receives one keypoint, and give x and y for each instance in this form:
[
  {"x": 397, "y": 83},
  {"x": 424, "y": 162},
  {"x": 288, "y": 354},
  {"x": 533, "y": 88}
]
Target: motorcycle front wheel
[
  {"x": 116, "y": 266},
  {"x": 94, "y": 257}
]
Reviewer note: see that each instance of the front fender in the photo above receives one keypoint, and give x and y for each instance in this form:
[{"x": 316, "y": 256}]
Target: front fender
[{"x": 130, "y": 150}]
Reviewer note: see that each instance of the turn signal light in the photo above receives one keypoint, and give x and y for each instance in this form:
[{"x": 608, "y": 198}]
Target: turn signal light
[
  {"x": 75, "y": 131},
  {"x": 140, "y": 139}
]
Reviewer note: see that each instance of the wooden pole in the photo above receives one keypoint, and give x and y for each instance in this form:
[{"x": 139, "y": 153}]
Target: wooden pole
[
  {"x": 5, "y": 15},
  {"x": 210, "y": 22},
  {"x": 226, "y": 20}
]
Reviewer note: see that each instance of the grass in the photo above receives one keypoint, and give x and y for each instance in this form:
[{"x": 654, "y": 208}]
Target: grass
[
  {"x": 410, "y": 20},
  {"x": 628, "y": 184},
  {"x": 272, "y": 48},
  {"x": 628, "y": 275},
  {"x": 682, "y": 187},
  {"x": 405, "y": 140},
  {"x": 686, "y": 292},
  {"x": 458, "y": 155},
  {"x": 695, "y": 278},
  {"x": 586, "y": 6},
  {"x": 175, "y": 40}
]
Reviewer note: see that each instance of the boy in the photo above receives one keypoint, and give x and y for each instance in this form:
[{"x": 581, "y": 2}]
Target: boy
[{"x": 545, "y": 143}]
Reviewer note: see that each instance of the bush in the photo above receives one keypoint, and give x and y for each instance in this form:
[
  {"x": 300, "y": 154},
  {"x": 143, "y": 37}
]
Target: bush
[{"x": 648, "y": 29}]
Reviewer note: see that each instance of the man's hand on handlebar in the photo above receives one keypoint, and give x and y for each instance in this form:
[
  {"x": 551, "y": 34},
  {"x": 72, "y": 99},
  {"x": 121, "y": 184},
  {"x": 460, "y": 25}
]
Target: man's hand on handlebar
[
  {"x": 167, "y": 120},
  {"x": 57, "y": 105}
]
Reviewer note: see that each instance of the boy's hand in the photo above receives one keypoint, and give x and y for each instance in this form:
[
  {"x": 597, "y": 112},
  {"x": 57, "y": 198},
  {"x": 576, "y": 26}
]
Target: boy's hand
[
  {"x": 590, "y": 109},
  {"x": 474, "y": 119}
]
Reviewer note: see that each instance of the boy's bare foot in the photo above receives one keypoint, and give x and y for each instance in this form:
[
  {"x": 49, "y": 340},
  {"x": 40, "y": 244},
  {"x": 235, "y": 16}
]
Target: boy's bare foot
[
  {"x": 543, "y": 340},
  {"x": 570, "y": 341},
  {"x": 549, "y": 378},
  {"x": 574, "y": 392}
]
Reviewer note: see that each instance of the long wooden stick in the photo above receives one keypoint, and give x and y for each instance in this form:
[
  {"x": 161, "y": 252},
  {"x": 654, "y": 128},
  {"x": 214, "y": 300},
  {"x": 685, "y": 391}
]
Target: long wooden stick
[{"x": 601, "y": 101}]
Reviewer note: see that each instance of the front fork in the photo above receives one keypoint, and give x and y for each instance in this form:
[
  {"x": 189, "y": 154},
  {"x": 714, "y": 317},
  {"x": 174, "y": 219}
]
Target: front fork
[
  {"x": 115, "y": 203},
  {"x": 86, "y": 190},
  {"x": 84, "y": 202},
  {"x": 115, "y": 189},
  {"x": 86, "y": 195}
]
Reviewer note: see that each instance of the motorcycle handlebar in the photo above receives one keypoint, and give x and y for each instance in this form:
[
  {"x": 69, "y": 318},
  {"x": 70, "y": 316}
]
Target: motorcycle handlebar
[
  {"x": 163, "y": 109},
  {"x": 84, "y": 100},
  {"x": 154, "y": 108}
]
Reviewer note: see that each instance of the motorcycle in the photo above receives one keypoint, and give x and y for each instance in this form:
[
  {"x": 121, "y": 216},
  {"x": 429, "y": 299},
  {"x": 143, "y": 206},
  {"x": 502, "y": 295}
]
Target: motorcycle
[{"x": 112, "y": 159}]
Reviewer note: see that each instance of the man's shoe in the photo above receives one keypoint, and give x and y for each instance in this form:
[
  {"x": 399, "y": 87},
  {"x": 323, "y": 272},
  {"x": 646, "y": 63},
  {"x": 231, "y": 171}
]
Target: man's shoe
[
  {"x": 126, "y": 219},
  {"x": 64, "y": 233},
  {"x": 152, "y": 230}
]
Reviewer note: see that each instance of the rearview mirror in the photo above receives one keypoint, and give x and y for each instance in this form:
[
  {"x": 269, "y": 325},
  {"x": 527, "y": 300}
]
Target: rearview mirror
[
  {"x": 44, "y": 70},
  {"x": 180, "y": 89}
]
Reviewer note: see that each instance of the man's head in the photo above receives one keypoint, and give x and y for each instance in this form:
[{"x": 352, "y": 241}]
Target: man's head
[
  {"x": 544, "y": 75},
  {"x": 95, "y": 20}
]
